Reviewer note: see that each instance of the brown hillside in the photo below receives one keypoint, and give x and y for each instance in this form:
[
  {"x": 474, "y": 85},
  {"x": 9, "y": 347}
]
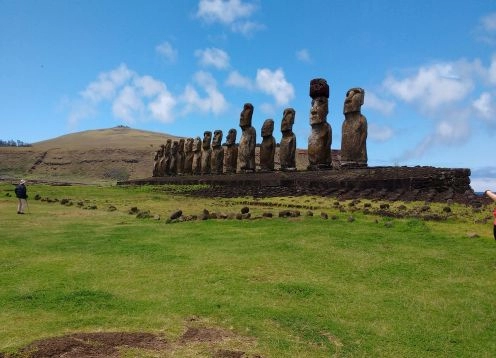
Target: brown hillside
[{"x": 117, "y": 153}]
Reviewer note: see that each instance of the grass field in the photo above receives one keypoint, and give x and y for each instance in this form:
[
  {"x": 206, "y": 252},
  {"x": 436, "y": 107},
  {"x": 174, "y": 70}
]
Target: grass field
[{"x": 285, "y": 287}]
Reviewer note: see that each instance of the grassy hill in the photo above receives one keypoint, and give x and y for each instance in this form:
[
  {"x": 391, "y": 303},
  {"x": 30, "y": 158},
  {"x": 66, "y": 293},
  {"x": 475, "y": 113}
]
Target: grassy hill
[{"x": 117, "y": 153}]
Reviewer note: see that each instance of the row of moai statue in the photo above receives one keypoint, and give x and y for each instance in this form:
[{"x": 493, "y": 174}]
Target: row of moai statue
[{"x": 208, "y": 156}]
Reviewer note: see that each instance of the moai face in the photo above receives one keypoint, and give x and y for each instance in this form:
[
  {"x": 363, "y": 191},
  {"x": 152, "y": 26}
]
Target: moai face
[
  {"x": 231, "y": 137},
  {"x": 288, "y": 120},
  {"x": 319, "y": 111},
  {"x": 168, "y": 145},
  {"x": 188, "y": 146},
  {"x": 319, "y": 91},
  {"x": 268, "y": 128},
  {"x": 197, "y": 145},
  {"x": 217, "y": 141},
  {"x": 354, "y": 100},
  {"x": 246, "y": 115},
  {"x": 181, "y": 145},
  {"x": 207, "y": 140}
]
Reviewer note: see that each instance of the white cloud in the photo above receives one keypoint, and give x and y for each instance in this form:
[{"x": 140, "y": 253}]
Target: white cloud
[
  {"x": 224, "y": 11},
  {"x": 166, "y": 50},
  {"x": 433, "y": 86},
  {"x": 213, "y": 57},
  {"x": 380, "y": 105},
  {"x": 304, "y": 56},
  {"x": 275, "y": 84},
  {"x": 235, "y": 79},
  {"x": 233, "y": 13},
  {"x": 213, "y": 102},
  {"x": 132, "y": 97},
  {"x": 489, "y": 22},
  {"x": 492, "y": 71},
  {"x": 246, "y": 28},
  {"x": 107, "y": 83},
  {"x": 127, "y": 104},
  {"x": 162, "y": 107},
  {"x": 380, "y": 133},
  {"x": 485, "y": 107}
]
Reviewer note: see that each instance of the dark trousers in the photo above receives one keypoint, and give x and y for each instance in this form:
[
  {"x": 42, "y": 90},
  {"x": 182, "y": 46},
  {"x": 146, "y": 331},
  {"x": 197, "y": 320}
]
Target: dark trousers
[{"x": 494, "y": 231}]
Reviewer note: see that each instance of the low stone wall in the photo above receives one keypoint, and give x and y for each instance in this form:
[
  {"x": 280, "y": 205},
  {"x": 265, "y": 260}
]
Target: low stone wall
[{"x": 388, "y": 183}]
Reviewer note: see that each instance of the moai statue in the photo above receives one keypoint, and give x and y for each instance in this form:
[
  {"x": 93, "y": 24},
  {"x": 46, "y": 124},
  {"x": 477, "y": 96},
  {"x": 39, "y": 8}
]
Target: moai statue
[
  {"x": 173, "y": 158},
  {"x": 165, "y": 161},
  {"x": 248, "y": 142},
  {"x": 320, "y": 139},
  {"x": 156, "y": 161},
  {"x": 206, "y": 153},
  {"x": 287, "y": 148},
  {"x": 188, "y": 156},
  {"x": 354, "y": 132},
  {"x": 180, "y": 157},
  {"x": 217, "y": 163},
  {"x": 197, "y": 156},
  {"x": 268, "y": 147},
  {"x": 231, "y": 156}
]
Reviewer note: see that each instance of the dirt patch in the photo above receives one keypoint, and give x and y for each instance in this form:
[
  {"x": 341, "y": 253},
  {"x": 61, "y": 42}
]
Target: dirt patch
[{"x": 195, "y": 341}]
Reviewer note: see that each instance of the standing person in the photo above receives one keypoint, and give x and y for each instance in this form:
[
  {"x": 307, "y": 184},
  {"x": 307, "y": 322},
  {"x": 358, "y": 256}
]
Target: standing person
[
  {"x": 21, "y": 194},
  {"x": 491, "y": 195}
]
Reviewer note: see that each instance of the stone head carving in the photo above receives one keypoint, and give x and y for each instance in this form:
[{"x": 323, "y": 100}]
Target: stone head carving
[
  {"x": 207, "y": 140},
  {"x": 246, "y": 115},
  {"x": 268, "y": 128},
  {"x": 188, "y": 146},
  {"x": 319, "y": 91},
  {"x": 217, "y": 141},
  {"x": 231, "y": 137},
  {"x": 168, "y": 145},
  {"x": 288, "y": 120},
  {"x": 354, "y": 100},
  {"x": 197, "y": 145},
  {"x": 181, "y": 145}
]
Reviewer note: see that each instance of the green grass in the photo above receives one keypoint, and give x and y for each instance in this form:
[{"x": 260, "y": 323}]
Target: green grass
[{"x": 301, "y": 287}]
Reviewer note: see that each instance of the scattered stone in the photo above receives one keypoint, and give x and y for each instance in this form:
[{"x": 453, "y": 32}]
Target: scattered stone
[
  {"x": 36, "y": 197},
  {"x": 245, "y": 216},
  {"x": 334, "y": 217},
  {"x": 425, "y": 208},
  {"x": 351, "y": 219},
  {"x": 239, "y": 216},
  {"x": 324, "y": 216},
  {"x": 64, "y": 201},
  {"x": 144, "y": 214},
  {"x": 473, "y": 235},
  {"x": 267, "y": 215},
  {"x": 402, "y": 207},
  {"x": 156, "y": 217},
  {"x": 447, "y": 209},
  {"x": 245, "y": 210},
  {"x": 384, "y": 206},
  {"x": 388, "y": 224},
  {"x": 134, "y": 210},
  {"x": 367, "y": 205},
  {"x": 176, "y": 214},
  {"x": 111, "y": 208},
  {"x": 309, "y": 213}
]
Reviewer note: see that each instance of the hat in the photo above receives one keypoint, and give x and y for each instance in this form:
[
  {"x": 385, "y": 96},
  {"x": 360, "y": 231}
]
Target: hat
[{"x": 22, "y": 181}]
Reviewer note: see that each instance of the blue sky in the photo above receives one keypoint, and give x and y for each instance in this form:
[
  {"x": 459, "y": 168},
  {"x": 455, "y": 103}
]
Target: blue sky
[{"x": 185, "y": 66}]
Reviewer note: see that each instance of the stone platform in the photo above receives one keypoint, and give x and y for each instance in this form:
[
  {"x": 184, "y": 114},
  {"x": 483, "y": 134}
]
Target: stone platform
[{"x": 428, "y": 184}]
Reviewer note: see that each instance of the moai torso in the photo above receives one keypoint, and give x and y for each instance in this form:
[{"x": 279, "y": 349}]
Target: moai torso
[
  {"x": 180, "y": 157},
  {"x": 287, "y": 147},
  {"x": 268, "y": 146},
  {"x": 188, "y": 156},
  {"x": 197, "y": 156},
  {"x": 165, "y": 161},
  {"x": 354, "y": 131},
  {"x": 206, "y": 153},
  {"x": 217, "y": 163},
  {"x": 320, "y": 139},
  {"x": 156, "y": 161},
  {"x": 247, "y": 144},
  {"x": 173, "y": 160},
  {"x": 231, "y": 154}
]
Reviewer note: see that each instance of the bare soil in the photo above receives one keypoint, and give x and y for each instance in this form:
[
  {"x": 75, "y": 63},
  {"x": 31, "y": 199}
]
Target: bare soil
[{"x": 199, "y": 341}]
